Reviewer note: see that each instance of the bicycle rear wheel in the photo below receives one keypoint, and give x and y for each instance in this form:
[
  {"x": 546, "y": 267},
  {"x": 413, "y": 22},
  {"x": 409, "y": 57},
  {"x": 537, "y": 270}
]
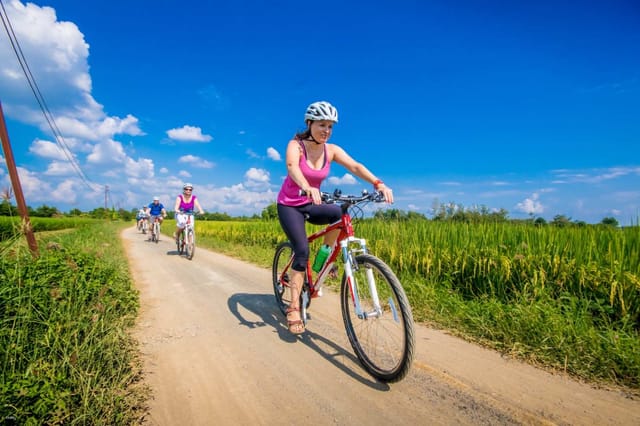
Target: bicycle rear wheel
[
  {"x": 156, "y": 232},
  {"x": 383, "y": 339},
  {"x": 190, "y": 244},
  {"x": 280, "y": 276}
]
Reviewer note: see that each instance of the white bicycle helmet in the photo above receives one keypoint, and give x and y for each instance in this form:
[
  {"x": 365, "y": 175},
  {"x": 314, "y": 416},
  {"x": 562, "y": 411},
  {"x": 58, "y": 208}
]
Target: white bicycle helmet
[
  {"x": 156, "y": 198},
  {"x": 321, "y": 111},
  {"x": 187, "y": 185}
]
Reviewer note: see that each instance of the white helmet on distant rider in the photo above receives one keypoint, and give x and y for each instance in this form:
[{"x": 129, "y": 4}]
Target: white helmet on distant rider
[
  {"x": 187, "y": 186},
  {"x": 321, "y": 111}
]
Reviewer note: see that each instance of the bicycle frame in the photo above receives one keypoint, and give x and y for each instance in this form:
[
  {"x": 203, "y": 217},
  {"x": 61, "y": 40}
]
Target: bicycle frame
[
  {"x": 183, "y": 242},
  {"x": 188, "y": 225}
]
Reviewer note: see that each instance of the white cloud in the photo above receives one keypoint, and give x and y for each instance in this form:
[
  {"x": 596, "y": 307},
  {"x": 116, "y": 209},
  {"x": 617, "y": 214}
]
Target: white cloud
[
  {"x": 196, "y": 162},
  {"x": 107, "y": 152},
  {"x": 59, "y": 168},
  {"x": 530, "y": 205},
  {"x": 273, "y": 154},
  {"x": 188, "y": 134},
  {"x": 594, "y": 175},
  {"x": 142, "y": 168},
  {"x": 256, "y": 178},
  {"x": 46, "y": 149},
  {"x": 347, "y": 179}
]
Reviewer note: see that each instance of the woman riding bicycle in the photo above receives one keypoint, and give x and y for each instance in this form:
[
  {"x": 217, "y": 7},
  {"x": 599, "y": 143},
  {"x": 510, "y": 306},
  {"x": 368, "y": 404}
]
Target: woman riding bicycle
[
  {"x": 141, "y": 217},
  {"x": 185, "y": 203},
  {"x": 308, "y": 158}
]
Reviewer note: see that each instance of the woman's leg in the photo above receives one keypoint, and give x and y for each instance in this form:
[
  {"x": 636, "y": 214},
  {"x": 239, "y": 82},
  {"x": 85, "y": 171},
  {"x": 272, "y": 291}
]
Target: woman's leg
[{"x": 292, "y": 222}]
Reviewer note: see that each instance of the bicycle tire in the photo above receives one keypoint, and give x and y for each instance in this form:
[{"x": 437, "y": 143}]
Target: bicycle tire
[
  {"x": 156, "y": 232},
  {"x": 384, "y": 344},
  {"x": 180, "y": 243},
  {"x": 281, "y": 263},
  {"x": 190, "y": 246}
]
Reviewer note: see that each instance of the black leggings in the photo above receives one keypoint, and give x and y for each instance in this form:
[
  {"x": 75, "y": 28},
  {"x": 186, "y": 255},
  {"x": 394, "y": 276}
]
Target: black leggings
[{"x": 292, "y": 221}]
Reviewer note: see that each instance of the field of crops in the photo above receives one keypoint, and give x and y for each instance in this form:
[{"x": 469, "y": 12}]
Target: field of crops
[{"x": 567, "y": 298}]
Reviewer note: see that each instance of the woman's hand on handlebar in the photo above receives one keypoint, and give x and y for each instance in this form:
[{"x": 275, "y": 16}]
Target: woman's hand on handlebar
[
  {"x": 314, "y": 195},
  {"x": 388, "y": 194}
]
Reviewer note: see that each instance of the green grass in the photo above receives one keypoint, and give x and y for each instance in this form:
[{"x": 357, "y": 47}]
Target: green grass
[{"x": 67, "y": 356}]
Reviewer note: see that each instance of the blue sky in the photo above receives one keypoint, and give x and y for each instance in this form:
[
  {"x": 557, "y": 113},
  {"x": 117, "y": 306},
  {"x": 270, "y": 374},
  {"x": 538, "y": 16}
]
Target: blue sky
[{"x": 533, "y": 107}]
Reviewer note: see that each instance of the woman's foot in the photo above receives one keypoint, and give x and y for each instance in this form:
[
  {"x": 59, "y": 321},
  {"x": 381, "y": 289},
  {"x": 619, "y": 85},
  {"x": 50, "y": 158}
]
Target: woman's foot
[{"x": 294, "y": 322}]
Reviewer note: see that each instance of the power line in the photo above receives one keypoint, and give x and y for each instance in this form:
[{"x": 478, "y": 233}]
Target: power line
[{"x": 40, "y": 98}]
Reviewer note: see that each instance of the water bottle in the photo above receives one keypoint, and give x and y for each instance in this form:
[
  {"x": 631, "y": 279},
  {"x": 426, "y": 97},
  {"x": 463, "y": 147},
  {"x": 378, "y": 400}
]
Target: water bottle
[{"x": 321, "y": 257}]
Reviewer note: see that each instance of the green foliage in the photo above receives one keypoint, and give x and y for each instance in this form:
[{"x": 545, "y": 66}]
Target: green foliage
[
  {"x": 270, "y": 212},
  {"x": 610, "y": 221},
  {"x": 44, "y": 211},
  {"x": 65, "y": 358}
]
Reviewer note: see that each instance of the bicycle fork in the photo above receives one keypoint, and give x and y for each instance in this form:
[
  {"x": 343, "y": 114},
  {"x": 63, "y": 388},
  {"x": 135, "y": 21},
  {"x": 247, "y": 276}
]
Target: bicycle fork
[{"x": 350, "y": 264}]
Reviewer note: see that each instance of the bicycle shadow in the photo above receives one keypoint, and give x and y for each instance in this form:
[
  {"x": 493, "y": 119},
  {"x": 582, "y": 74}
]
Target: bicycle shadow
[{"x": 264, "y": 306}]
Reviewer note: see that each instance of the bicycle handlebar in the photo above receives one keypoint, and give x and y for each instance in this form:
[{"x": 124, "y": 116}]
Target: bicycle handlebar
[
  {"x": 188, "y": 212},
  {"x": 337, "y": 197}
]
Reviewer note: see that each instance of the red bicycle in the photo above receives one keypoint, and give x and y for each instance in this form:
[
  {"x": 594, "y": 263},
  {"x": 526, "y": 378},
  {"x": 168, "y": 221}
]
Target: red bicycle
[{"x": 375, "y": 309}]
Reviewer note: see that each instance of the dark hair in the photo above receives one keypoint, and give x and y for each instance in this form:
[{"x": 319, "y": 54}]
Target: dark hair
[{"x": 305, "y": 134}]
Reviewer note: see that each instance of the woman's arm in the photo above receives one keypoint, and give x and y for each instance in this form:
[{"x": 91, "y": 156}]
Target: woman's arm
[
  {"x": 197, "y": 204},
  {"x": 293, "y": 169}
]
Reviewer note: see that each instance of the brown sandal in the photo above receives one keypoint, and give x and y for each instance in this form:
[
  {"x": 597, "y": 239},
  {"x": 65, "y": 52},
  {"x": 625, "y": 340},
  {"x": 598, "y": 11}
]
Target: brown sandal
[{"x": 295, "y": 326}]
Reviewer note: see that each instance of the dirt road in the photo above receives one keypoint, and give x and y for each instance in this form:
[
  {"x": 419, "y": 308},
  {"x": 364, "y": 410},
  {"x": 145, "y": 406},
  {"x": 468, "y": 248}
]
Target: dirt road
[{"x": 217, "y": 351}]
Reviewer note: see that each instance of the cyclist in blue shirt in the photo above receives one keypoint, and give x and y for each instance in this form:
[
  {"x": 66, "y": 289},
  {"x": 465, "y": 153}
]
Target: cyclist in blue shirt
[{"x": 156, "y": 209}]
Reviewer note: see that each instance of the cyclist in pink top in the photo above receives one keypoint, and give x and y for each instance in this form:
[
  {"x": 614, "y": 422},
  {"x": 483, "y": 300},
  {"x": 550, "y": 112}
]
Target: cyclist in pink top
[
  {"x": 308, "y": 158},
  {"x": 186, "y": 202}
]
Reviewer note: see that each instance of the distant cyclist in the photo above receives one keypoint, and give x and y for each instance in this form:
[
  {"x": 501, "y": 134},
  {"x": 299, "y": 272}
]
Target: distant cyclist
[
  {"x": 141, "y": 217},
  {"x": 156, "y": 210},
  {"x": 186, "y": 202}
]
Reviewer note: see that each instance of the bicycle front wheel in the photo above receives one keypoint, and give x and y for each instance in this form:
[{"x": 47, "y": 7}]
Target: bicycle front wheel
[
  {"x": 382, "y": 334},
  {"x": 190, "y": 246},
  {"x": 180, "y": 242},
  {"x": 280, "y": 275}
]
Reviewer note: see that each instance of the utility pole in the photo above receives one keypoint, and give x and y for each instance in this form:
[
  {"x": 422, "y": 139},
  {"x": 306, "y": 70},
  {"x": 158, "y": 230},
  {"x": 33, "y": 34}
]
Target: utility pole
[{"x": 17, "y": 189}]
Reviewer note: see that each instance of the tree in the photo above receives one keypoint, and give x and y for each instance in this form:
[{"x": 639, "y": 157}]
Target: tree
[
  {"x": 270, "y": 212},
  {"x": 610, "y": 221},
  {"x": 540, "y": 221},
  {"x": 45, "y": 211},
  {"x": 561, "y": 220}
]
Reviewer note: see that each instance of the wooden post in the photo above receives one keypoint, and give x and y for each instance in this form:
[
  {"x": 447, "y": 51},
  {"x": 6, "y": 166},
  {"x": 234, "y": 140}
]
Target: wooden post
[{"x": 17, "y": 189}]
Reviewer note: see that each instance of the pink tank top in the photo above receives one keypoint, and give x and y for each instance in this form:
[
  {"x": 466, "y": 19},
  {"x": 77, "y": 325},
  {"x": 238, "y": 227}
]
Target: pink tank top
[
  {"x": 187, "y": 207},
  {"x": 289, "y": 194}
]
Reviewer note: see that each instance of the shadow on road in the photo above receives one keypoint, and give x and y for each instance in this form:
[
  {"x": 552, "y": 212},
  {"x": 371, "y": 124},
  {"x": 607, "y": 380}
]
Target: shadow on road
[{"x": 264, "y": 306}]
